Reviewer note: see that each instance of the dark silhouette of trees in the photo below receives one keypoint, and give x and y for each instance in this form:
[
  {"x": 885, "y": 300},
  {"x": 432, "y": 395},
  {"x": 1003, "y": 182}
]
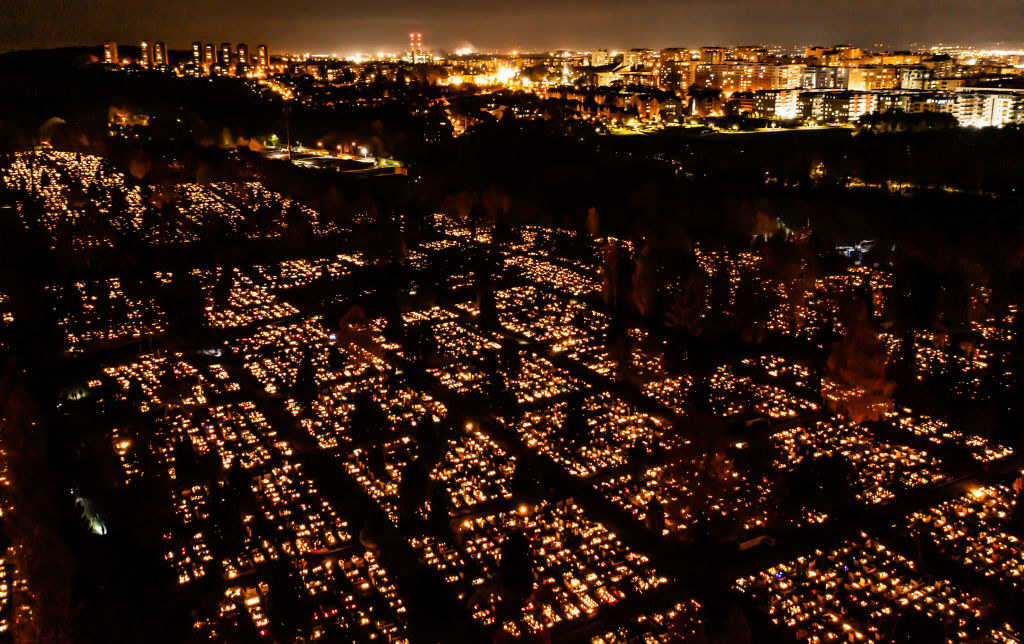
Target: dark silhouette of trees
[
  {"x": 516, "y": 570},
  {"x": 185, "y": 297},
  {"x": 855, "y": 383},
  {"x": 305, "y": 386},
  {"x": 575, "y": 430},
  {"x": 898, "y": 121},
  {"x": 43, "y": 610},
  {"x": 368, "y": 419}
]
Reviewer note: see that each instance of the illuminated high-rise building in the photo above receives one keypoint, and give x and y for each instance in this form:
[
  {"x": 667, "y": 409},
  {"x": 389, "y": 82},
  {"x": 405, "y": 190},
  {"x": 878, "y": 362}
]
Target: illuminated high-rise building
[
  {"x": 159, "y": 54},
  {"x": 225, "y": 53},
  {"x": 640, "y": 59},
  {"x": 989, "y": 107},
  {"x": 243, "y": 53},
  {"x": 145, "y": 54},
  {"x": 676, "y": 75},
  {"x": 197, "y": 53},
  {"x": 209, "y": 55},
  {"x": 416, "y": 53},
  {"x": 816, "y": 52},
  {"x": 712, "y": 55},
  {"x": 751, "y": 53},
  {"x": 262, "y": 56},
  {"x": 600, "y": 58},
  {"x": 110, "y": 53},
  {"x": 675, "y": 54}
]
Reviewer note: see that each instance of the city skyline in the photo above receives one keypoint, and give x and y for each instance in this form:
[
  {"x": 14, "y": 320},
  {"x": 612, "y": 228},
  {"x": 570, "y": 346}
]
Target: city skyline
[{"x": 318, "y": 27}]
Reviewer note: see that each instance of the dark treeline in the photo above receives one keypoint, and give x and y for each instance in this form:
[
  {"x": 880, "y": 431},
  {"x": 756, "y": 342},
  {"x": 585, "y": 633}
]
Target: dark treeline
[{"x": 962, "y": 158}]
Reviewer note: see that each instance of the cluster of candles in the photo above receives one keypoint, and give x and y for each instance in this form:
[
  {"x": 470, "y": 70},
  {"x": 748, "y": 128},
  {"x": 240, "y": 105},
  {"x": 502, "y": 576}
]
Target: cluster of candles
[
  {"x": 89, "y": 203},
  {"x": 292, "y": 518},
  {"x": 973, "y": 529},
  {"x": 680, "y": 492},
  {"x": 274, "y": 354},
  {"x": 779, "y": 368},
  {"x": 306, "y": 522},
  {"x": 934, "y": 354},
  {"x": 6, "y": 314},
  {"x": 680, "y": 623},
  {"x": 612, "y": 428},
  {"x": 564, "y": 280},
  {"x": 940, "y": 433},
  {"x": 674, "y": 392},
  {"x": 737, "y": 267},
  {"x": 60, "y": 183},
  {"x": 101, "y": 311},
  {"x": 246, "y": 303},
  {"x": 378, "y": 470},
  {"x": 474, "y": 470},
  {"x": 534, "y": 314},
  {"x": 353, "y": 599},
  {"x": 637, "y": 357},
  {"x": 235, "y": 432},
  {"x": 249, "y": 196},
  {"x": 733, "y": 394},
  {"x": 993, "y": 326},
  {"x": 329, "y": 420},
  {"x": 880, "y": 466},
  {"x": 860, "y": 592},
  {"x": 187, "y": 546},
  {"x": 456, "y": 341},
  {"x": 578, "y": 565},
  {"x": 466, "y": 360},
  {"x": 153, "y": 381},
  {"x": 5, "y": 595},
  {"x": 297, "y": 273}
]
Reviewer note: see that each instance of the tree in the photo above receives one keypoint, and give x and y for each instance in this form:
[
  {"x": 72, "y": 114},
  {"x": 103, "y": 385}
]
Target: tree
[
  {"x": 645, "y": 282},
  {"x": 515, "y": 568},
  {"x": 368, "y": 418},
  {"x": 305, "y": 386},
  {"x": 413, "y": 489},
  {"x": 576, "y": 430},
  {"x": 896, "y": 121},
  {"x": 612, "y": 277},
  {"x": 855, "y": 383}
]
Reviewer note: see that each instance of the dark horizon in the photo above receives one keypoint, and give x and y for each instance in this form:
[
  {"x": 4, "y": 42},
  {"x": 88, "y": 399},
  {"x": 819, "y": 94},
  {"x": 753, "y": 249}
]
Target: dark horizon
[{"x": 321, "y": 27}]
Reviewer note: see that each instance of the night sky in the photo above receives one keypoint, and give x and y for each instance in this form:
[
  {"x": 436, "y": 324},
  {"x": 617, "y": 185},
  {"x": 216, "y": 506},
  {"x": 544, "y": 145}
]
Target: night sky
[{"x": 346, "y": 27}]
